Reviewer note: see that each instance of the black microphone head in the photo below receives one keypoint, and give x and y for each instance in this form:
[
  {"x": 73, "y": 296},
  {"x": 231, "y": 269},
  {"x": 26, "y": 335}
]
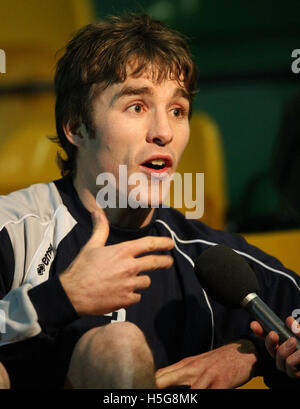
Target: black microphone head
[{"x": 225, "y": 275}]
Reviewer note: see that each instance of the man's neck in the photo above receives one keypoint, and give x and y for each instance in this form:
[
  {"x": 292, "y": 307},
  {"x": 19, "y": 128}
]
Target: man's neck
[{"x": 128, "y": 217}]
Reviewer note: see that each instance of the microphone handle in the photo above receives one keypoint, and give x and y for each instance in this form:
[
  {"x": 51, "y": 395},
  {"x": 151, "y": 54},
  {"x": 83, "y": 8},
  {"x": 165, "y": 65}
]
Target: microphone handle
[{"x": 267, "y": 318}]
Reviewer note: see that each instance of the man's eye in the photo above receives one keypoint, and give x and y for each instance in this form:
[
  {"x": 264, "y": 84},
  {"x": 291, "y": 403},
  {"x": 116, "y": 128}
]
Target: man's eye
[
  {"x": 179, "y": 112},
  {"x": 137, "y": 108}
]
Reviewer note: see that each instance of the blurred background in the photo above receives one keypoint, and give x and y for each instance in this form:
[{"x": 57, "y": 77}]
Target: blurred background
[{"x": 245, "y": 129}]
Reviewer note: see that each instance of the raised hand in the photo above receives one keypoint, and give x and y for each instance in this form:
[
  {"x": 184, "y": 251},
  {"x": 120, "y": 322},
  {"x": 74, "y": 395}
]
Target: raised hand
[{"x": 103, "y": 279}]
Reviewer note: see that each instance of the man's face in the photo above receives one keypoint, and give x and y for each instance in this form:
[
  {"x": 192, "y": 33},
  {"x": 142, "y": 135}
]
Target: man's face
[{"x": 141, "y": 124}]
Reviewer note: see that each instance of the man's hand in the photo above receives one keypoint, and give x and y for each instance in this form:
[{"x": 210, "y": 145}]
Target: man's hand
[
  {"x": 286, "y": 356},
  {"x": 4, "y": 378},
  {"x": 226, "y": 367},
  {"x": 103, "y": 278}
]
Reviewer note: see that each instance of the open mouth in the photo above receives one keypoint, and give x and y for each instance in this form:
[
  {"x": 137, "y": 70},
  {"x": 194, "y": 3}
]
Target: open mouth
[{"x": 157, "y": 165}]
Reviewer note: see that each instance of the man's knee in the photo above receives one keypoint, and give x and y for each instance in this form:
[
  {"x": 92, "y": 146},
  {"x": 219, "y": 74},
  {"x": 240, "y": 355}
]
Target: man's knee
[
  {"x": 117, "y": 352},
  {"x": 4, "y": 378},
  {"x": 117, "y": 340}
]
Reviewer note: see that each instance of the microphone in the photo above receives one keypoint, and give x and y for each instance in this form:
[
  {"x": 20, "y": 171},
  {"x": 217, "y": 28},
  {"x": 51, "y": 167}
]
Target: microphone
[{"x": 229, "y": 280}]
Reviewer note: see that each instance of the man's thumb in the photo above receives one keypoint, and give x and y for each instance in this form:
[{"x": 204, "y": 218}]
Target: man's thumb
[{"x": 101, "y": 227}]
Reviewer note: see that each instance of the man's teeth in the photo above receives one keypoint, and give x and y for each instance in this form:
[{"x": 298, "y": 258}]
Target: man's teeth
[{"x": 158, "y": 162}]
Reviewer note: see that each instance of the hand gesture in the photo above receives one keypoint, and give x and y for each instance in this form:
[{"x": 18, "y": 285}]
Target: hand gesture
[{"x": 103, "y": 278}]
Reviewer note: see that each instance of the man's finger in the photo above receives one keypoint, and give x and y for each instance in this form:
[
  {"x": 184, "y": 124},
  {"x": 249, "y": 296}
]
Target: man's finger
[
  {"x": 272, "y": 341},
  {"x": 257, "y": 329},
  {"x": 100, "y": 228},
  {"x": 293, "y": 325},
  {"x": 173, "y": 378},
  {"x": 292, "y": 365},
  {"x": 176, "y": 366},
  {"x": 142, "y": 282},
  {"x": 153, "y": 262},
  {"x": 149, "y": 244},
  {"x": 283, "y": 352}
]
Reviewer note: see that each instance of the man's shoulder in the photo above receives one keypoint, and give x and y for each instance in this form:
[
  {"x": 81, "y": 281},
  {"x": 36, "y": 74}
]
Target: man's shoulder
[
  {"x": 194, "y": 237},
  {"x": 33, "y": 222},
  {"x": 39, "y": 200},
  {"x": 192, "y": 229}
]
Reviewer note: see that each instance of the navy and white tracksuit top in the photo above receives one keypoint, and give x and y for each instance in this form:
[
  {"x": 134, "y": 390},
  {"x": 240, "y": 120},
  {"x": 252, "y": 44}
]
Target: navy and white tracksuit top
[{"x": 42, "y": 229}]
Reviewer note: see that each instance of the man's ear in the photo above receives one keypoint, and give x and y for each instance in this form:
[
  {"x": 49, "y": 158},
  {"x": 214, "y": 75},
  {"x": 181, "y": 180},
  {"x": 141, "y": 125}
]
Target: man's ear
[{"x": 76, "y": 136}]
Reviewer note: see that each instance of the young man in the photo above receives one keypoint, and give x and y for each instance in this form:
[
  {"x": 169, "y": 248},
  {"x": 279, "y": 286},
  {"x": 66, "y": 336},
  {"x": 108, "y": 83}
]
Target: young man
[{"x": 102, "y": 298}]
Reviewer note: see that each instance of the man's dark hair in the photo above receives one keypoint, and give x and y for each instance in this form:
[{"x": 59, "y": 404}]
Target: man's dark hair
[{"x": 97, "y": 57}]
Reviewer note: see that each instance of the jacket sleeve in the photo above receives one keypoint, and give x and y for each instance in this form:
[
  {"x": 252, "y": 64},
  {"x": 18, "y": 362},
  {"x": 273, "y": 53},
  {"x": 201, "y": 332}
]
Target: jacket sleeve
[
  {"x": 18, "y": 319},
  {"x": 26, "y": 311}
]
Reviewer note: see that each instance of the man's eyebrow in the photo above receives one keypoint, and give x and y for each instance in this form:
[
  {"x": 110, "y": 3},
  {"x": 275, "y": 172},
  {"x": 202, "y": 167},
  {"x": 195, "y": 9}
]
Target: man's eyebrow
[
  {"x": 127, "y": 91},
  {"x": 181, "y": 92}
]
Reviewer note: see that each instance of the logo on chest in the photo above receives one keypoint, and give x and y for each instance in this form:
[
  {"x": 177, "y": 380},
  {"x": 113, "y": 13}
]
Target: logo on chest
[{"x": 45, "y": 260}]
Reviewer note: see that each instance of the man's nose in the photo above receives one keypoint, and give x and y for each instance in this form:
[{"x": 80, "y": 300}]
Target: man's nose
[{"x": 160, "y": 131}]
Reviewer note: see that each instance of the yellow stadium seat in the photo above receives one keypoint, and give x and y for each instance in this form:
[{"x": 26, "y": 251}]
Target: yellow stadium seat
[
  {"x": 204, "y": 154},
  {"x": 284, "y": 245},
  {"x": 43, "y": 25},
  {"x": 31, "y": 33},
  {"x": 28, "y": 156}
]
